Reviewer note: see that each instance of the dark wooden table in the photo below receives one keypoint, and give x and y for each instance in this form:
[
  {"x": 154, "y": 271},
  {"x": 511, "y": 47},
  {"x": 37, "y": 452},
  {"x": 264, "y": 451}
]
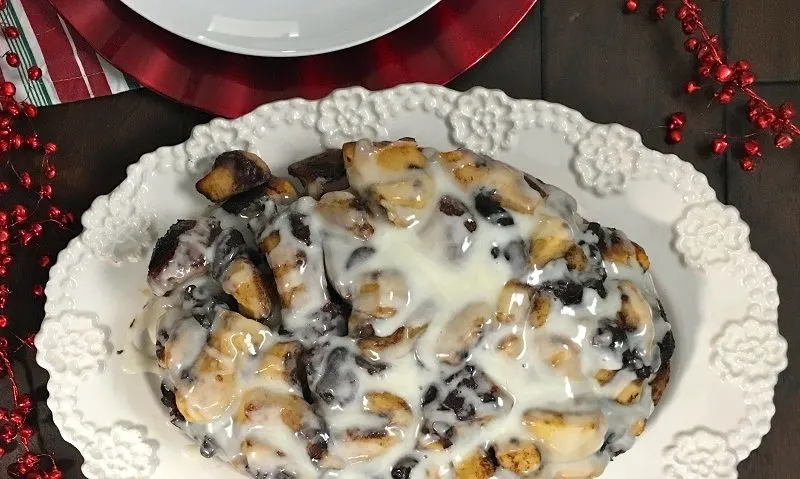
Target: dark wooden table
[{"x": 584, "y": 54}]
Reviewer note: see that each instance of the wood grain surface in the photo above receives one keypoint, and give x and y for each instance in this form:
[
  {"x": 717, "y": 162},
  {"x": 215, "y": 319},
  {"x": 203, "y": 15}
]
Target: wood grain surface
[{"x": 584, "y": 54}]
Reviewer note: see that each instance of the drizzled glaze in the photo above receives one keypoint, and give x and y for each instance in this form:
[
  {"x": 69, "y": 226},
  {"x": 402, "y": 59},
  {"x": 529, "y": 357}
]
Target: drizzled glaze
[{"x": 493, "y": 331}]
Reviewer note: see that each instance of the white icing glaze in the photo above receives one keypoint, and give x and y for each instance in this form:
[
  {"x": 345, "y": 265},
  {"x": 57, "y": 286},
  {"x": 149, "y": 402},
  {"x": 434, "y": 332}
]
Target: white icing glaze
[{"x": 485, "y": 310}]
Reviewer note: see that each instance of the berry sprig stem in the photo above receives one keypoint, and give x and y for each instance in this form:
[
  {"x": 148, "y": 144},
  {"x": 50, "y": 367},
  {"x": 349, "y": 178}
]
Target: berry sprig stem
[{"x": 729, "y": 79}]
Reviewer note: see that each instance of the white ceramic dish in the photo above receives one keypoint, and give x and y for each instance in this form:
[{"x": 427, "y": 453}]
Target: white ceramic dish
[
  {"x": 720, "y": 296},
  {"x": 280, "y": 28}
]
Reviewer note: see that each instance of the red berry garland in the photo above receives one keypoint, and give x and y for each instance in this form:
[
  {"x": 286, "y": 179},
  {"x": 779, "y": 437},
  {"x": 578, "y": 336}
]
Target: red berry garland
[
  {"x": 21, "y": 225},
  {"x": 728, "y": 79}
]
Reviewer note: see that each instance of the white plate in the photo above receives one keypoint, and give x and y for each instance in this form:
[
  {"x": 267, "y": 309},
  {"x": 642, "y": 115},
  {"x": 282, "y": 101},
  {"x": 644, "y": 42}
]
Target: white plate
[
  {"x": 720, "y": 296},
  {"x": 280, "y": 28}
]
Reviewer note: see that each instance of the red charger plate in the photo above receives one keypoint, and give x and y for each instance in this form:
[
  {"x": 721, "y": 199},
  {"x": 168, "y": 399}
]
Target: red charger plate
[{"x": 435, "y": 48}]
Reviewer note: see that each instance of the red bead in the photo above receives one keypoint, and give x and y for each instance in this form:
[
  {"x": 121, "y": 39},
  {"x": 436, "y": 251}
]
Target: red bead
[
  {"x": 4, "y": 249},
  {"x": 704, "y": 71},
  {"x": 11, "y": 32},
  {"x": 787, "y": 110},
  {"x": 4, "y": 236},
  {"x": 751, "y": 148},
  {"x": 13, "y": 109},
  {"x": 25, "y": 239},
  {"x": 3, "y": 218},
  {"x": 25, "y": 431},
  {"x": 8, "y": 88},
  {"x": 33, "y": 141},
  {"x": 19, "y": 211},
  {"x": 25, "y": 180},
  {"x": 16, "y": 141},
  {"x": 6, "y": 259},
  {"x": 2, "y": 4},
  {"x": 687, "y": 27},
  {"x": 53, "y": 212},
  {"x": 50, "y": 172},
  {"x": 55, "y": 474},
  {"x": 631, "y": 5},
  {"x": 691, "y": 87},
  {"x": 16, "y": 418},
  {"x": 674, "y": 136},
  {"x": 50, "y": 148},
  {"x": 724, "y": 73},
  {"x": 765, "y": 120},
  {"x": 3, "y": 187},
  {"x": 24, "y": 402},
  {"x": 6, "y": 428},
  {"x": 747, "y": 164},
  {"x": 783, "y": 141},
  {"x": 34, "y": 73},
  {"x": 29, "y": 110},
  {"x": 682, "y": 12},
  {"x": 725, "y": 95},
  {"x": 676, "y": 121},
  {"x": 36, "y": 229},
  {"x": 3, "y": 320},
  {"x": 5, "y": 122},
  {"x": 753, "y": 112},
  {"x": 46, "y": 191},
  {"x": 2, "y": 451},
  {"x": 38, "y": 290},
  {"x": 691, "y": 44},
  {"x": 4, "y": 291},
  {"x": 12, "y": 59},
  {"x": 745, "y": 78},
  {"x": 69, "y": 218},
  {"x": 660, "y": 10},
  {"x": 44, "y": 261},
  {"x": 741, "y": 66},
  {"x": 4, "y": 146},
  {"x": 720, "y": 144},
  {"x": 3, "y": 300}
]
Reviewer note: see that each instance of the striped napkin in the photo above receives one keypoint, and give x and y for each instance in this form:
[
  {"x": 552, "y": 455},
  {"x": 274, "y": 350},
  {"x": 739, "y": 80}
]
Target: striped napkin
[{"x": 71, "y": 69}]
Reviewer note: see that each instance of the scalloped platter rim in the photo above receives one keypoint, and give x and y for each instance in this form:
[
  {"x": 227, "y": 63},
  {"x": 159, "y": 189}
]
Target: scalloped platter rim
[{"x": 721, "y": 296}]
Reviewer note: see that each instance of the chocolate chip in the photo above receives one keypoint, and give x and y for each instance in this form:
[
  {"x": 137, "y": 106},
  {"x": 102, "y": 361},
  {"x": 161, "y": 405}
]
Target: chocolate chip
[
  {"x": 633, "y": 360},
  {"x": 300, "y": 229},
  {"x": 667, "y": 347},
  {"x": 488, "y": 207},
  {"x": 568, "y": 292},
  {"x": 456, "y": 403},
  {"x": 495, "y": 251},
  {"x": 358, "y": 256},
  {"x": 451, "y": 206},
  {"x": 609, "y": 334},
  {"x": 208, "y": 448},
  {"x": 402, "y": 470},
  {"x": 318, "y": 448},
  {"x": 430, "y": 395}
]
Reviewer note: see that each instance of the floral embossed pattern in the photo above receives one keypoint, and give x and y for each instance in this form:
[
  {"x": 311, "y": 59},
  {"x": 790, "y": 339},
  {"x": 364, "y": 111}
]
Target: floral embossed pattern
[
  {"x": 119, "y": 453},
  {"x": 351, "y": 114},
  {"x": 710, "y": 233},
  {"x": 608, "y": 159},
  {"x": 701, "y": 454},
  {"x": 485, "y": 121},
  {"x": 750, "y": 354},
  {"x": 73, "y": 343}
]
